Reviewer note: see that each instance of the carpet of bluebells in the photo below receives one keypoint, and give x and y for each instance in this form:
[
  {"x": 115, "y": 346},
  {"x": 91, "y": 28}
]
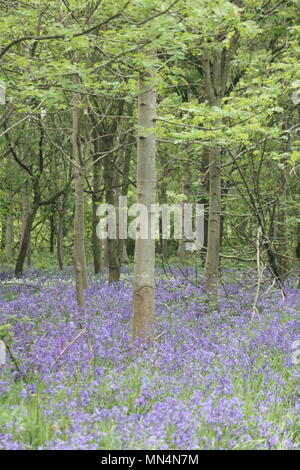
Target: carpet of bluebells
[{"x": 217, "y": 377}]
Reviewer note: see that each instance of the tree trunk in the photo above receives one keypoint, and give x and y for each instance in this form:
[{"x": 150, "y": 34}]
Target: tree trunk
[
  {"x": 216, "y": 68},
  {"x": 9, "y": 235},
  {"x": 60, "y": 205},
  {"x": 114, "y": 264},
  {"x": 123, "y": 252},
  {"x": 163, "y": 241},
  {"x": 214, "y": 221},
  {"x": 3, "y": 232},
  {"x": 96, "y": 243},
  {"x": 96, "y": 197},
  {"x": 25, "y": 242},
  {"x": 28, "y": 216},
  {"x": 214, "y": 84},
  {"x": 52, "y": 233},
  {"x": 297, "y": 251},
  {"x": 79, "y": 246},
  {"x": 125, "y": 184},
  {"x": 25, "y": 215},
  {"x": 281, "y": 228},
  {"x": 105, "y": 252},
  {"x": 144, "y": 255},
  {"x": 182, "y": 252},
  {"x": 203, "y": 199}
]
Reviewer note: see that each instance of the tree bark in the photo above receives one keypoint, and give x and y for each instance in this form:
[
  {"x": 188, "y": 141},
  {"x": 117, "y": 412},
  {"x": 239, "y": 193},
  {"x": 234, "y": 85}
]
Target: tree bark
[
  {"x": 52, "y": 233},
  {"x": 79, "y": 245},
  {"x": 281, "y": 228},
  {"x": 214, "y": 84},
  {"x": 203, "y": 199},
  {"x": 144, "y": 255},
  {"x": 163, "y": 200},
  {"x": 25, "y": 215},
  {"x": 125, "y": 183},
  {"x": 60, "y": 205},
  {"x": 9, "y": 232},
  {"x": 96, "y": 197},
  {"x": 25, "y": 241},
  {"x": 114, "y": 263},
  {"x": 182, "y": 252},
  {"x": 216, "y": 68},
  {"x": 211, "y": 268}
]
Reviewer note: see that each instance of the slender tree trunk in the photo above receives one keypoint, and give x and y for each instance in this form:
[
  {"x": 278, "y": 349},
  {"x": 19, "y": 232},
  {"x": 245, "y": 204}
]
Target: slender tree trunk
[
  {"x": 297, "y": 251},
  {"x": 105, "y": 253},
  {"x": 79, "y": 246},
  {"x": 25, "y": 214},
  {"x": 111, "y": 183},
  {"x": 3, "y": 231},
  {"x": 182, "y": 252},
  {"x": 96, "y": 197},
  {"x": 122, "y": 248},
  {"x": 96, "y": 243},
  {"x": 163, "y": 200},
  {"x": 114, "y": 263},
  {"x": 9, "y": 235},
  {"x": 281, "y": 226},
  {"x": 60, "y": 204},
  {"x": 52, "y": 233},
  {"x": 123, "y": 252},
  {"x": 282, "y": 238},
  {"x": 25, "y": 241},
  {"x": 204, "y": 200},
  {"x": 214, "y": 221},
  {"x": 144, "y": 255},
  {"x": 28, "y": 216},
  {"x": 9, "y": 238},
  {"x": 214, "y": 84},
  {"x": 216, "y": 68}
]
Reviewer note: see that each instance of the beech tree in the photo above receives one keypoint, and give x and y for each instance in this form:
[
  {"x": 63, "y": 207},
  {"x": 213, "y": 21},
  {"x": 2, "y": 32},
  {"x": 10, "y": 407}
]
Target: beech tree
[{"x": 144, "y": 254}]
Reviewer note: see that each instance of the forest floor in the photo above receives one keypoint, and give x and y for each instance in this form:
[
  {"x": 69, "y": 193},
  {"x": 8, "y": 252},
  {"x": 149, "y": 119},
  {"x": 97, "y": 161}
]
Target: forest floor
[{"x": 217, "y": 377}]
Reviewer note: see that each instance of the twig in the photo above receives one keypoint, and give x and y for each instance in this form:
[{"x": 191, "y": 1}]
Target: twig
[
  {"x": 15, "y": 361},
  {"x": 82, "y": 332},
  {"x": 260, "y": 270},
  {"x": 159, "y": 335}
]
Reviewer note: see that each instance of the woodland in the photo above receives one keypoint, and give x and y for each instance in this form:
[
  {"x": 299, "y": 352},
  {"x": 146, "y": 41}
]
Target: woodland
[{"x": 149, "y": 342}]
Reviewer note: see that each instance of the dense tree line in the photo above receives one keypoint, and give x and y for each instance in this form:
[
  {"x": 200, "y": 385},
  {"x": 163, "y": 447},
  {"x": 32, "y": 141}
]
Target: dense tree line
[{"x": 159, "y": 101}]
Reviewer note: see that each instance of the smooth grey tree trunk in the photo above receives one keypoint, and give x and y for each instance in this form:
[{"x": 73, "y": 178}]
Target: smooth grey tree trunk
[
  {"x": 110, "y": 183},
  {"x": 122, "y": 248},
  {"x": 142, "y": 322},
  {"x": 214, "y": 84},
  {"x": 182, "y": 252},
  {"x": 79, "y": 245},
  {"x": 96, "y": 197}
]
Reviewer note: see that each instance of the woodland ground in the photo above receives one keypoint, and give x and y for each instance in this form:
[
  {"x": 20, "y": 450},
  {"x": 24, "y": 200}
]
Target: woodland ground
[{"x": 216, "y": 378}]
